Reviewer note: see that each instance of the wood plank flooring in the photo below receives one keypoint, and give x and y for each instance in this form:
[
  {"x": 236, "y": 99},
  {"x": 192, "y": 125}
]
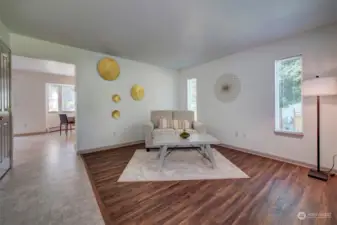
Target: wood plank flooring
[{"x": 274, "y": 194}]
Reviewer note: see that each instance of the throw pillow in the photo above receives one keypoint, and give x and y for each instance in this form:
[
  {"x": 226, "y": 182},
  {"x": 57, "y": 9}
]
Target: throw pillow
[
  {"x": 186, "y": 124},
  {"x": 177, "y": 124},
  {"x": 163, "y": 123}
]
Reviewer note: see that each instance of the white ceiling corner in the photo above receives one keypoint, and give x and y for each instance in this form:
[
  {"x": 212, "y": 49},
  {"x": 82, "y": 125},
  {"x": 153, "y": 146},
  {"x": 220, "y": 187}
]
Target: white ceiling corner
[{"x": 173, "y": 34}]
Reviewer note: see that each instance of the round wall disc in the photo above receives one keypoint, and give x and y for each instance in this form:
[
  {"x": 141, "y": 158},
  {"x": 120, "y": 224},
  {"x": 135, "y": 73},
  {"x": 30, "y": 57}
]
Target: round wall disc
[
  {"x": 227, "y": 88},
  {"x": 108, "y": 69},
  {"x": 137, "y": 92},
  {"x": 116, "y": 114},
  {"x": 116, "y": 98}
]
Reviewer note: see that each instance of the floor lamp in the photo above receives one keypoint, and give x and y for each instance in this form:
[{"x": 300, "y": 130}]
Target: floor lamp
[{"x": 317, "y": 87}]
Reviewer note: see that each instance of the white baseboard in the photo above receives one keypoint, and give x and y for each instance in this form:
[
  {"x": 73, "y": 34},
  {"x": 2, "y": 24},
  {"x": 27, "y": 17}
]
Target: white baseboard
[
  {"x": 48, "y": 130},
  {"x": 29, "y": 133},
  {"x": 86, "y": 151},
  {"x": 55, "y": 129},
  {"x": 278, "y": 158}
]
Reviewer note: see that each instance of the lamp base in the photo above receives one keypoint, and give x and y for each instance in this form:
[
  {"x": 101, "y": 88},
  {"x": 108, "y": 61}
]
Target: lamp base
[{"x": 318, "y": 175}]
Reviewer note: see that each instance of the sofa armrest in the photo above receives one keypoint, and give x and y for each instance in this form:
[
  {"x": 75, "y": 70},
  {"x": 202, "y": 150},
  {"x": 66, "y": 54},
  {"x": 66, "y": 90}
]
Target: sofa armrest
[
  {"x": 149, "y": 125},
  {"x": 148, "y": 128},
  {"x": 200, "y": 127}
]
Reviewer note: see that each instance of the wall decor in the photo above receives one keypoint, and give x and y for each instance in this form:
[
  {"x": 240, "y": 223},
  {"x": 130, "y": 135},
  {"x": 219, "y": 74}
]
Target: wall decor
[
  {"x": 116, "y": 114},
  {"x": 108, "y": 69},
  {"x": 227, "y": 88},
  {"x": 137, "y": 92},
  {"x": 116, "y": 98}
]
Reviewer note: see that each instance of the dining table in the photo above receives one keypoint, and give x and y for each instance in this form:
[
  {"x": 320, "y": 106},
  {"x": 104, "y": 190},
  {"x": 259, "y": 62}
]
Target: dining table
[{"x": 71, "y": 119}]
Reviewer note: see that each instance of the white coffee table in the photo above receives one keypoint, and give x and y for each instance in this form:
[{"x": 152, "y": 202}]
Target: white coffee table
[{"x": 201, "y": 142}]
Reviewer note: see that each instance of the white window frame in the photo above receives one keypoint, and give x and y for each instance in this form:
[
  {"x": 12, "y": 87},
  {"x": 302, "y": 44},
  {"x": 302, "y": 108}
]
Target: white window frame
[
  {"x": 277, "y": 130},
  {"x": 189, "y": 96},
  {"x": 60, "y": 97}
]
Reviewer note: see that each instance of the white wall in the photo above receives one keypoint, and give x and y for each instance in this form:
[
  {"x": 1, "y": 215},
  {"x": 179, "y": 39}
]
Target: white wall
[
  {"x": 4, "y": 33},
  {"x": 42, "y": 66},
  {"x": 252, "y": 114},
  {"x": 95, "y": 127},
  {"x": 29, "y": 105}
]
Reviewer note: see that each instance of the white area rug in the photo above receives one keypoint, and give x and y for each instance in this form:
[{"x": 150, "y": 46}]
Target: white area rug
[{"x": 179, "y": 165}]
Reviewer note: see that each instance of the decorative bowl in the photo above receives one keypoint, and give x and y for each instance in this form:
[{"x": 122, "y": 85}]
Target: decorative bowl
[{"x": 184, "y": 135}]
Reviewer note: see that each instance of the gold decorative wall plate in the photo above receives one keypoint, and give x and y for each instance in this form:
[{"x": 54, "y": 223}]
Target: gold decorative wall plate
[
  {"x": 116, "y": 114},
  {"x": 108, "y": 69},
  {"x": 137, "y": 92},
  {"x": 116, "y": 98}
]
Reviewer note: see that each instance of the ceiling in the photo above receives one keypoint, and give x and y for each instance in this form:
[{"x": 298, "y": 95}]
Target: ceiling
[{"x": 169, "y": 33}]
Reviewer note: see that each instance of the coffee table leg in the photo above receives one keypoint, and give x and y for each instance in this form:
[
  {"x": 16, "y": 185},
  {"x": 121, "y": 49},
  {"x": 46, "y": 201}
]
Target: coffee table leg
[
  {"x": 202, "y": 148},
  {"x": 159, "y": 151},
  {"x": 163, "y": 150},
  {"x": 210, "y": 155}
]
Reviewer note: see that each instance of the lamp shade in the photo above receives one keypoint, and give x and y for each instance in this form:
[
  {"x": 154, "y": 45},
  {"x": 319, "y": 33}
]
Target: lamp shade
[{"x": 320, "y": 86}]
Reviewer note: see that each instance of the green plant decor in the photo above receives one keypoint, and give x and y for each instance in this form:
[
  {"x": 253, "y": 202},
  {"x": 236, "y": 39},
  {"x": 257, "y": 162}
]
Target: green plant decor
[{"x": 184, "y": 135}]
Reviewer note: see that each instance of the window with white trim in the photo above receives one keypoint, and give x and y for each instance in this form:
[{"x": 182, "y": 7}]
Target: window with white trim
[
  {"x": 288, "y": 95},
  {"x": 61, "y": 98},
  {"x": 192, "y": 96}
]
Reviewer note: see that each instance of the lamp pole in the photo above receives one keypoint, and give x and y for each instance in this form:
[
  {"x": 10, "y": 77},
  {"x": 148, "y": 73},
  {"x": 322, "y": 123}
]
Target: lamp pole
[
  {"x": 318, "y": 174},
  {"x": 318, "y": 136}
]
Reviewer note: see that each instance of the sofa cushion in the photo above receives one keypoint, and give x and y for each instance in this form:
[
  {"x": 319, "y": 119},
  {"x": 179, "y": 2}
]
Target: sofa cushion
[
  {"x": 156, "y": 115},
  {"x": 163, "y": 131},
  {"x": 183, "y": 115},
  {"x": 181, "y": 124},
  {"x": 163, "y": 123},
  {"x": 187, "y": 124},
  {"x": 177, "y": 124}
]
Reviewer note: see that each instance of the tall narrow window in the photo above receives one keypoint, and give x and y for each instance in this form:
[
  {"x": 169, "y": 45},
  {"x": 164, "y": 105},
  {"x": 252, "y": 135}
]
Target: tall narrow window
[
  {"x": 288, "y": 95},
  {"x": 192, "y": 96},
  {"x": 68, "y": 98},
  {"x": 53, "y": 98}
]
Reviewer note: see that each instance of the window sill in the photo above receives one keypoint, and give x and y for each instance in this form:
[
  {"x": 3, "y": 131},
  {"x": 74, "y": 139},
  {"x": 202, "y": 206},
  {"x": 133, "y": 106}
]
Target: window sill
[
  {"x": 289, "y": 134},
  {"x": 63, "y": 112},
  {"x": 53, "y": 112}
]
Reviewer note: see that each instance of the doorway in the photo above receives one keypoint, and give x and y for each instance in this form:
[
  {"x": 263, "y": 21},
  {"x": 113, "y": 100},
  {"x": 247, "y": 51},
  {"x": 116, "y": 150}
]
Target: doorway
[
  {"x": 43, "y": 92},
  {"x": 6, "y": 134}
]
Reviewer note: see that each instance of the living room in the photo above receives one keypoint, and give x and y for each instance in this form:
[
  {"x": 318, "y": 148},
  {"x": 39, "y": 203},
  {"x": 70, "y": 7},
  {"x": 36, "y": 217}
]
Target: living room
[{"x": 193, "y": 70}]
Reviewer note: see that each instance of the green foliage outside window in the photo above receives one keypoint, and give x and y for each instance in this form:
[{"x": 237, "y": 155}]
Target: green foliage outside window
[{"x": 289, "y": 72}]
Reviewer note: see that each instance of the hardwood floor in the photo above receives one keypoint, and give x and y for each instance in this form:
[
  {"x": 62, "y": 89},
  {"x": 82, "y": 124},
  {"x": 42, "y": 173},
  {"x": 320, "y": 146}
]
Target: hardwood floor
[{"x": 274, "y": 194}]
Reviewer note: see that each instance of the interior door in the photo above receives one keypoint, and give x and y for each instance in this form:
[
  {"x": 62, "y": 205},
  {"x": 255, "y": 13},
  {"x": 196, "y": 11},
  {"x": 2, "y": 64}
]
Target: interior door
[{"x": 6, "y": 136}]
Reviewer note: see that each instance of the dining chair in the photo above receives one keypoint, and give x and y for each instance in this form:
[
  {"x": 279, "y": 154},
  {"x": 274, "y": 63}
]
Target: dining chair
[{"x": 64, "y": 121}]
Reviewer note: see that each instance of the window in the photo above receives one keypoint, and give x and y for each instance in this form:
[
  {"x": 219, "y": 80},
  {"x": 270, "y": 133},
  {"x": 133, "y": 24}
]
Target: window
[
  {"x": 61, "y": 95},
  {"x": 53, "y": 98},
  {"x": 288, "y": 95},
  {"x": 192, "y": 96},
  {"x": 68, "y": 98}
]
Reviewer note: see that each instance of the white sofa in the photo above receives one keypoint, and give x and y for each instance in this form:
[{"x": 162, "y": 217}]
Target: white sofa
[{"x": 151, "y": 128}]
